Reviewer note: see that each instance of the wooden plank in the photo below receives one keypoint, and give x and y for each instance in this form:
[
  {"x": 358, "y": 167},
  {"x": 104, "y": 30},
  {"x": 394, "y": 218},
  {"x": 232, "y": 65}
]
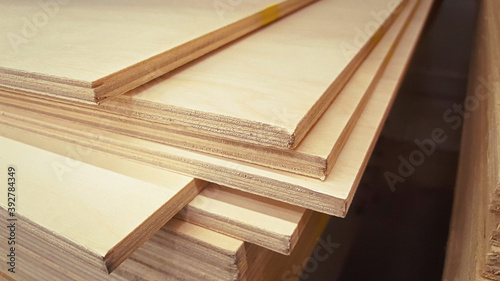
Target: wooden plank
[
  {"x": 492, "y": 79},
  {"x": 181, "y": 251},
  {"x": 254, "y": 219},
  {"x": 250, "y": 218},
  {"x": 332, "y": 196},
  {"x": 314, "y": 157},
  {"x": 94, "y": 214},
  {"x": 244, "y": 94},
  {"x": 86, "y": 51},
  {"x": 238, "y": 92},
  {"x": 472, "y": 251}
]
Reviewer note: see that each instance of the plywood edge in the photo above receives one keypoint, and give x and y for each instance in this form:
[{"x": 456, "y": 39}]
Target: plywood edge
[
  {"x": 401, "y": 58},
  {"x": 322, "y": 104},
  {"x": 274, "y": 188},
  {"x": 404, "y": 16},
  {"x": 151, "y": 225},
  {"x": 135, "y": 75},
  {"x": 215, "y": 241},
  {"x": 270, "y": 224},
  {"x": 52, "y": 240},
  {"x": 160, "y": 64}
]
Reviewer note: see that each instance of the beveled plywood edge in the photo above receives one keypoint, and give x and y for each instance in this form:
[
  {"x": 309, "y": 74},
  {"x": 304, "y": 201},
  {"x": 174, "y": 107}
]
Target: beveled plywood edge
[
  {"x": 107, "y": 243},
  {"x": 331, "y": 196},
  {"x": 58, "y": 242},
  {"x": 151, "y": 225},
  {"x": 311, "y": 165},
  {"x": 142, "y": 72},
  {"x": 254, "y": 219},
  {"x": 321, "y": 105},
  {"x": 124, "y": 80},
  {"x": 402, "y": 55}
]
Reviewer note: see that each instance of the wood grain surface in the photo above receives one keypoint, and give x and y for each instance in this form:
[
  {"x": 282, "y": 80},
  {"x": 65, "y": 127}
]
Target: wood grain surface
[
  {"x": 89, "y": 50},
  {"x": 332, "y": 196},
  {"x": 97, "y": 214},
  {"x": 261, "y": 221},
  {"x": 473, "y": 245},
  {"x": 314, "y": 157},
  {"x": 183, "y": 251}
]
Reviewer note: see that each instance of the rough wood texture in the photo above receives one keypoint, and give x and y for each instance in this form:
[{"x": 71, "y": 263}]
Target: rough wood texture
[
  {"x": 87, "y": 50},
  {"x": 332, "y": 196},
  {"x": 472, "y": 252},
  {"x": 315, "y": 156},
  {"x": 95, "y": 215}
]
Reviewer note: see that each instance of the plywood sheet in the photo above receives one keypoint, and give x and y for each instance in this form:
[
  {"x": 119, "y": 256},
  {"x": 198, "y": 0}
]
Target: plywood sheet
[
  {"x": 294, "y": 67},
  {"x": 89, "y": 50},
  {"x": 95, "y": 213},
  {"x": 332, "y": 196},
  {"x": 268, "y": 223},
  {"x": 314, "y": 157},
  {"x": 250, "y": 218},
  {"x": 270, "y": 87},
  {"x": 182, "y": 251}
]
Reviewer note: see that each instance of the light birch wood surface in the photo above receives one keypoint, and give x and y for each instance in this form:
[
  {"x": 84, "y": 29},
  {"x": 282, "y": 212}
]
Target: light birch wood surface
[
  {"x": 101, "y": 216},
  {"x": 270, "y": 87},
  {"x": 314, "y": 157},
  {"x": 332, "y": 196},
  {"x": 89, "y": 50},
  {"x": 179, "y": 251}
]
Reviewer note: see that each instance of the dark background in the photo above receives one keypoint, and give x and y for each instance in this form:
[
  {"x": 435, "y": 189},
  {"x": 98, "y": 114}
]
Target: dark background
[{"x": 401, "y": 235}]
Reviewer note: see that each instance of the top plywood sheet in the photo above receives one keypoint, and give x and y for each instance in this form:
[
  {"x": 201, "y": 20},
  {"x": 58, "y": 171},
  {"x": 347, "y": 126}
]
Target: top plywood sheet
[
  {"x": 89, "y": 50},
  {"x": 316, "y": 154},
  {"x": 270, "y": 87}
]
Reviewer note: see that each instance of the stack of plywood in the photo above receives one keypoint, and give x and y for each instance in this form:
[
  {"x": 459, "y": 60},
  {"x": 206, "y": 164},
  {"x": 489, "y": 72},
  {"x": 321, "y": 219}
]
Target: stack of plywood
[
  {"x": 473, "y": 248},
  {"x": 249, "y": 147},
  {"x": 88, "y": 51}
]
